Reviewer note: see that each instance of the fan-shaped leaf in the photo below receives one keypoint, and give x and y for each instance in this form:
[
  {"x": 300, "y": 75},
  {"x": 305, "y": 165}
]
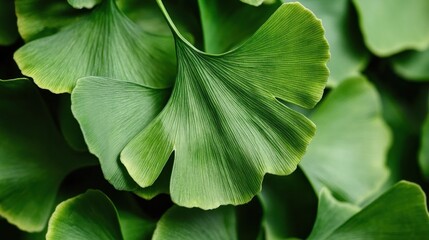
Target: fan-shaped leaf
[
  {"x": 391, "y": 26},
  {"x": 34, "y": 158},
  {"x": 109, "y": 45},
  {"x": 348, "y": 154},
  {"x": 223, "y": 122}
]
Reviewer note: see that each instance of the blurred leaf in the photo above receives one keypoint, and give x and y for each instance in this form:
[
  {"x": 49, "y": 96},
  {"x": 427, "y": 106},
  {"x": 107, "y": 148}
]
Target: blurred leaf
[
  {"x": 34, "y": 158},
  {"x": 8, "y": 25},
  {"x": 222, "y": 119},
  {"x": 39, "y": 18},
  {"x": 348, "y": 53},
  {"x": 227, "y": 23},
  {"x": 348, "y": 153},
  {"x": 193, "y": 223},
  {"x": 122, "y": 110},
  {"x": 79, "y": 4},
  {"x": 424, "y": 149},
  {"x": 412, "y": 65},
  {"x": 391, "y": 26},
  {"x": 399, "y": 213},
  {"x": 88, "y": 216},
  {"x": 109, "y": 45},
  {"x": 69, "y": 126},
  {"x": 253, "y": 2},
  {"x": 289, "y": 206}
]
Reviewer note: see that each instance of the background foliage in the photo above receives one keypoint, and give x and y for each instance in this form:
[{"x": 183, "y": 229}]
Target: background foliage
[{"x": 89, "y": 86}]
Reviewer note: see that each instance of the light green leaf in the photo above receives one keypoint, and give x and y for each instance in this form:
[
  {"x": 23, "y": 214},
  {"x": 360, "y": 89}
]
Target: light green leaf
[
  {"x": 34, "y": 158},
  {"x": 412, "y": 65},
  {"x": 8, "y": 27},
  {"x": 124, "y": 108},
  {"x": 223, "y": 121},
  {"x": 88, "y": 216},
  {"x": 253, "y": 2},
  {"x": 424, "y": 149},
  {"x": 348, "y": 153},
  {"x": 348, "y": 53},
  {"x": 183, "y": 223},
  {"x": 391, "y": 26},
  {"x": 227, "y": 23},
  {"x": 79, "y": 4},
  {"x": 109, "y": 45},
  {"x": 400, "y": 213}
]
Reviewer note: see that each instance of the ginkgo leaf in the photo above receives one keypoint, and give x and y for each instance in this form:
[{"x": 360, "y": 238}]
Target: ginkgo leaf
[
  {"x": 34, "y": 158},
  {"x": 348, "y": 153},
  {"x": 223, "y": 121},
  {"x": 412, "y": 65},
  {"x": 227, "y": 23},
  {"x": 348, "y": 53},
  {"x": 88, "y": 216},
  {"x": 391, "y": 26},
  {"x": 79, "y": 4},
  {"x": 109, "y": 45},
  {"x": 399, "y": 213},
  {"x": 183, "y": 223},
  {"x": 123, "y": 109},
  {"x": 8, "y": 27}
]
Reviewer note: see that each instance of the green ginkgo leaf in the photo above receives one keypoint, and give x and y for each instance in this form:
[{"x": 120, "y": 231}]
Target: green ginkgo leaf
[
  {"x": 412, "y": 65},
  {"x": 223, "y": 121},
  {"x": 183, "y": 223},
  {"x": 227, "y": 23},
  {"x": 34, "y": 158},
  {"x": 253, "y": 2},
  {"x": 8, "y": 27},
  {"x": 399, "y": 213},
  {"x": 348, "y": 153},
  {"x": 79, "y": 4},
  {"x": 391, "y": 26},
  {"x": 109, "y": 45},
  {"x": 88, "y": 216},
  {"x": 348, "y": 53},
  {"x": 124, "y": 113}
]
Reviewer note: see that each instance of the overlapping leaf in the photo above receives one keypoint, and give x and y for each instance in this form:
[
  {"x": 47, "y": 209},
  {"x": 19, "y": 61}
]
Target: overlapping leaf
[
  {"x": 182, "y": 223},
  {"x": 348, "y": 54},
  {"x": 391, "y": 26},
  {"x": 223, "y": 121},
  {"x": 348, "y": 154},
  {"x": 109, "y": 45},
  {"x": 79, "y": 4},
  {"x": 34, "y": 158},
  {"x": 400, "y": 213},
  {"x": 122, "y": 110}
]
